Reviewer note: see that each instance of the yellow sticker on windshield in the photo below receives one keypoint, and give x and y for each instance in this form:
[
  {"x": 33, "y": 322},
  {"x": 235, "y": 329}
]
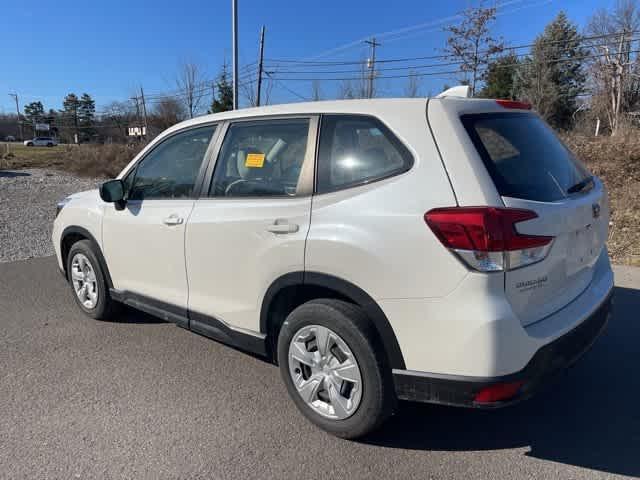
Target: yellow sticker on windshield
[{"x": 254, "y": 160}]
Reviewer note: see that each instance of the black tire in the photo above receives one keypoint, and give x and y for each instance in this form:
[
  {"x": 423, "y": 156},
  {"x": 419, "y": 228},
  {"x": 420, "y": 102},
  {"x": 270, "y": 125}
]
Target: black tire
[
  {"x": 49, "y": 144},
  {"x": 30, "y": 144},
  {"x": 105, "y": 306},
  {"x": 349, "y": 322}
]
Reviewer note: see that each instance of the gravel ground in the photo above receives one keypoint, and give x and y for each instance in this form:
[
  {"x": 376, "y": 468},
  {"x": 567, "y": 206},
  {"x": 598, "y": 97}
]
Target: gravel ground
[{"x": 27, "y": 209}]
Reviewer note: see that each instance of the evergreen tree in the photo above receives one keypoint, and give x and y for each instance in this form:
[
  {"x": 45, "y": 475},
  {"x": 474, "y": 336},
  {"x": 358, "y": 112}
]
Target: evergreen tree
[
  {"x": 500, "y": 78},
  {"x": 33, "y": 113},
  {"x": 553, "y": 76},
  {"x": 86, "y": 116},
  {"x": 70, "y": 111},
  {"x": 224, "y": 93}
]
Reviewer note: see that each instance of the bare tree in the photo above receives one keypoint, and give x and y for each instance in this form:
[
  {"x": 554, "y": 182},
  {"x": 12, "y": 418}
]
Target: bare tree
[
  {"x": 167, "y": 112},
  {"x": 357, "y": 87},
  {"x": 192, "y": 88},
  {"x": 615, "y": 67},
  {"x": 471, "y": 44},
  {"x": 412, "y": 88},
  {"x": 119, "y": 114},
  {"x": 249, "y": 92}
]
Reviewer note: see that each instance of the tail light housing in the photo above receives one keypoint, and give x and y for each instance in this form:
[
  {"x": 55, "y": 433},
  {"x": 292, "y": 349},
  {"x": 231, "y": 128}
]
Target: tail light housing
[{"x": 486, "y": 239}]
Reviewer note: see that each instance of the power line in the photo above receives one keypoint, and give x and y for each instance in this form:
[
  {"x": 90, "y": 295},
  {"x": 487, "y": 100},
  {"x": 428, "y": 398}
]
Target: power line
[
  {"x": 408, "y": 67},
  {"x": 440, "y": 73},
  {"x": 311, "y": 63},
  {"x": 293, "y": 92}
]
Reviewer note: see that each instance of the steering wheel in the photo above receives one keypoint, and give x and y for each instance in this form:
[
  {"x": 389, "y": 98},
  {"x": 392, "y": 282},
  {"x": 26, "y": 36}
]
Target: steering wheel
[{"x": 233, "y": 184}]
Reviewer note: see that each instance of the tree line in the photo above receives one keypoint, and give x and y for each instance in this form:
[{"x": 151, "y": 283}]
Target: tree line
[
  {"x": 585, "y": 78},
  {"x": 572, "y": 79}
]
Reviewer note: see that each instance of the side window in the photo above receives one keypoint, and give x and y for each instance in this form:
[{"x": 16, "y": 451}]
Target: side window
[
  {"x": 357, "y": 149},
  {"x": 171, "y": 168},
  {"x": 262, "y": 158}
]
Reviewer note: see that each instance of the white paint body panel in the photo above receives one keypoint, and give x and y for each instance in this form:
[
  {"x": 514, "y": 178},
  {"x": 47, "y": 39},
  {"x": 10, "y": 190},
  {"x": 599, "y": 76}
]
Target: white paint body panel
[
  {"x": 232, "y": 258},
  {"x": 144, "y": 255},
  {"x": 83, "y": 209}
]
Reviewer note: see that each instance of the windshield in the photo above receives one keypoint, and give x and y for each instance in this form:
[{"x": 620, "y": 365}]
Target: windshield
[{"x": 525, "y": 158}]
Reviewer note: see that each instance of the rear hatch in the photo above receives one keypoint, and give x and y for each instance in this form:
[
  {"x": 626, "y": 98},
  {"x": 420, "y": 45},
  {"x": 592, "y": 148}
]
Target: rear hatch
[{"x": 533, "y": 170}]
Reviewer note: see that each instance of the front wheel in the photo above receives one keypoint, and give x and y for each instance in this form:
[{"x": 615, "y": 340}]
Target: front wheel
[
  {"x": 88, "y": 282},
  {"x": 334, "y": 367},
  {"x": 30, "y": 144}
]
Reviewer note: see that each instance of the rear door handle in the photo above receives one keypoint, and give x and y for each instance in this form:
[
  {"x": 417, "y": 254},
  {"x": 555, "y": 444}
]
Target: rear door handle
[
  {"x": 283, "y": 227},
  {"x": 173, "y": 220}
]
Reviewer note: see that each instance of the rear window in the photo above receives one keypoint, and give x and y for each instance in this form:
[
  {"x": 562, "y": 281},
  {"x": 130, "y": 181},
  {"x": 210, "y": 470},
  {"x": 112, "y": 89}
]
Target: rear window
[{"x": 524, "y": 156}]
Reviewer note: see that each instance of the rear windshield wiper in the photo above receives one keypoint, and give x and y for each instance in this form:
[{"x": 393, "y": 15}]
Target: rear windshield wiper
[{"x": 581, "y": 185}]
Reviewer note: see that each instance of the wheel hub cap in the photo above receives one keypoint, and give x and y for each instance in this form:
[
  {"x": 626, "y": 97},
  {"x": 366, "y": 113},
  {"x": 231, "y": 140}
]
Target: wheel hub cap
[
  {"x": 325, "y": 372},
  {"x": 84, "y": 280}
]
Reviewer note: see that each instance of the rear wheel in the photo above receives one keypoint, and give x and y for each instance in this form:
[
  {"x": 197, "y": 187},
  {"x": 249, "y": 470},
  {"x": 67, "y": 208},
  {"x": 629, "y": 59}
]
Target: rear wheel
[
  {"x": 334, "y": 368},
  {"x": 87, "y": 281}
]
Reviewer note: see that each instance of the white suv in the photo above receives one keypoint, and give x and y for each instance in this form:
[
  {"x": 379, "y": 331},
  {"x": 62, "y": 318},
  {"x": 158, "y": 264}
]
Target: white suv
[
  {"x": 445, "y": 250},
  {"x": 41, "y": 142}
]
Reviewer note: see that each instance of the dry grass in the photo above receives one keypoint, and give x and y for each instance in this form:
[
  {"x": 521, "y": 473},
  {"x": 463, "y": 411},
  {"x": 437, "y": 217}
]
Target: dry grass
[
  {"x": 99, "y": 160},
  {"x": 616, "y": 160},
  {"x": 94, "y": 161}
]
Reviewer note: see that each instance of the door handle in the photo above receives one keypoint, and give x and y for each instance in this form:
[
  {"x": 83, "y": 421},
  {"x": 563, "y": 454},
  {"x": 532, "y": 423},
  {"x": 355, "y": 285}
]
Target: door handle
[
  {"x": 173, "y": 220},
  {"x": 283, "y": 227}
]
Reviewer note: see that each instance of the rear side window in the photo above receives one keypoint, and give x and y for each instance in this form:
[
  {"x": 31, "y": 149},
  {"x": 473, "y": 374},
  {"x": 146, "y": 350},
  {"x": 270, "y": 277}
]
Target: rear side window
[
  {"x": 524, "y": 156},
  {"x": 357, "y": 149}
]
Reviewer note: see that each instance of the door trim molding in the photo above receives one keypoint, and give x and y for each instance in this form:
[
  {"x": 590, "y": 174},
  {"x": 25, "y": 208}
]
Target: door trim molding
[{"x": 206, "y": 325}]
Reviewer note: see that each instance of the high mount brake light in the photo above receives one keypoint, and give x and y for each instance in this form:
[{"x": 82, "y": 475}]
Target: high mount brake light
[
  {"x": 514, "y": 104},
  {"x": 486, "y": 238}
]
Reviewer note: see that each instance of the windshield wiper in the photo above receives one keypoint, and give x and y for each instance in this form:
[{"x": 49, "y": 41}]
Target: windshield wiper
[{"x": 578, "y": 187}]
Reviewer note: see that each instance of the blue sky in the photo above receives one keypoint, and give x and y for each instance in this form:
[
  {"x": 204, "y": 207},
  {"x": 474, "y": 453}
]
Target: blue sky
[{"x": 108, "y": 49}]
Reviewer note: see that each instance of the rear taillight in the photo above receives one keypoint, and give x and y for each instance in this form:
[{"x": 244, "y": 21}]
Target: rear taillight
[{"x": 485, "y": 238}]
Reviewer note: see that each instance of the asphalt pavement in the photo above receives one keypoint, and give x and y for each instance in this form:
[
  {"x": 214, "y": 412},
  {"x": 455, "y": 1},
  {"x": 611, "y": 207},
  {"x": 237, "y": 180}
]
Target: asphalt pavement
[{"x": 140, "y": 398}]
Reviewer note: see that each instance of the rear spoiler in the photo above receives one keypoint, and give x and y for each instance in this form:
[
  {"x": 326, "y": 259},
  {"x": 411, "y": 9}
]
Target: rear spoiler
[{"x": 461, "y": 91}]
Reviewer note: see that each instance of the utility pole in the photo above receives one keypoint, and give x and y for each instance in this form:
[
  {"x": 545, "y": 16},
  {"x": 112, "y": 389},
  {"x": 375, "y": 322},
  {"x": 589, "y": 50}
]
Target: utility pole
[
  {"x": 135, "y": 99},
  {"x": 15, "y": 97},
  {"x": 144, "y": 112},
  {"x": 261, "y": 57},
  {"x": 234, "y": 15},
  {"x": 371, "y": 64}
]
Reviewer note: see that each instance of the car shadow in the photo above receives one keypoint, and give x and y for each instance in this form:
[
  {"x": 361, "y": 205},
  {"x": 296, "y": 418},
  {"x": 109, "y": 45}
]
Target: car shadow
[
  {"x": 128, "y": 314},
  {"x": 588, "y": 417},
  {"x": 10, "y": 174}
]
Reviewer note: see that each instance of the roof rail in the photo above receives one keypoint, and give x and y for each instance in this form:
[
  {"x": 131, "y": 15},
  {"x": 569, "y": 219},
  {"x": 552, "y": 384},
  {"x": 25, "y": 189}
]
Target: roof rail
[{"x": 461, "y": 91}]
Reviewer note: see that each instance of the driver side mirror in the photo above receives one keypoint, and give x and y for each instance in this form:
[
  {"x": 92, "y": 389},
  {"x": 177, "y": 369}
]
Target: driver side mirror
[{"x": 113, "y": 192}]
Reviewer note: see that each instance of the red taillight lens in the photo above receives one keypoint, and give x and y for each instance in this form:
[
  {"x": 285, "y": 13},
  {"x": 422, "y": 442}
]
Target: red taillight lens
[
  {"x": 489, "y": 229},
  {"x": 514, "y": 104},
  {"x": 481, "y": 230},
  {"x": 498, "y": 392}
]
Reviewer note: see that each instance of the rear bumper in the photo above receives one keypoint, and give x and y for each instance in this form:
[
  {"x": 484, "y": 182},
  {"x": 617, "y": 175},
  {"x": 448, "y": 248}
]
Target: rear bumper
[{"x": 547, "y": 362}]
